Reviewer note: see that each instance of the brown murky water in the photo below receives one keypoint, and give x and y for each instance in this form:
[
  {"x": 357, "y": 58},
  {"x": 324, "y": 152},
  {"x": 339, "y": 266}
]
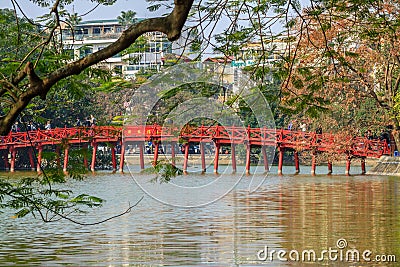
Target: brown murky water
[{"x": 291, "y": 214}]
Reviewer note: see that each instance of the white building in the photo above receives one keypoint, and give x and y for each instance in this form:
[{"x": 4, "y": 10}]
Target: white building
[{"x": 91, "y": 36}]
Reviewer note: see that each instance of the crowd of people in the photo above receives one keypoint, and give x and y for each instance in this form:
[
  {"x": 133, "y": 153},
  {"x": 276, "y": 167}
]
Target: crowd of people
[
  {"x": 31, "y": 126},
  {"x": 383, "y": 135},
  {"x": 87, "y": 122},
  {"x": 295, "y": 125}
]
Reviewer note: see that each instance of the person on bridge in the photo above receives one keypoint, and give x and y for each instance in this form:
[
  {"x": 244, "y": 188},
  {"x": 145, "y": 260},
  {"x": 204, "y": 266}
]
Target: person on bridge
[
  {"x": 86, "y": 123},
  {"x": 290, "y": 126},
  {"x": 385, "y": 136},
  {"x": 48, "y": 125},
  {"x": 92, "y": 121},
  {"x": 318, "y": 130},
  {"x": 303, "y": 126},
  {"x": 369, "y": 135},
  {"x": 15, "y": 128},
  {"x": 30, "y": 126},
  {"x": 78, "y": 122}
]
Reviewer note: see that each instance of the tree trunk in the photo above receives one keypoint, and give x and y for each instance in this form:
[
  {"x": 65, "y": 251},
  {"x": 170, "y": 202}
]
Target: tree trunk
[{"x": 395, "y": 135}]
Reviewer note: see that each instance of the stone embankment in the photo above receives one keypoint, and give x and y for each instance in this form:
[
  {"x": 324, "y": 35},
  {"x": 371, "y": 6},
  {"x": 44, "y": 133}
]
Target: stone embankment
[{"x": 386, "y": 166}]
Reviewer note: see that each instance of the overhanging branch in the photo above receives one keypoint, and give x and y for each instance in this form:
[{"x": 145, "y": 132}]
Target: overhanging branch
[{"x": 170, "y": 25}]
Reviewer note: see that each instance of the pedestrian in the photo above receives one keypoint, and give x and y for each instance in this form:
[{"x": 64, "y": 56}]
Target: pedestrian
[
  {"x": 47, "y": 126},
  {"x": 385, "y": 136},
  {"x": 369, "y": 135},
  {"x": 87, "y": 122},
  {"x": 303, "y": 126},
  {"x": 30, "y": 126},
  {"x": 290, "y": 126},
  {"x": 92, "y": 121},
  {"x": 15, "y": 127},
  {"x": 78, "y": 122},
  {"x": 318, "y": 130}
]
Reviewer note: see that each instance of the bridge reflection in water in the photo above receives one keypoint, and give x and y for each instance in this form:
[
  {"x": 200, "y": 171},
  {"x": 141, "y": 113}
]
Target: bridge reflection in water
[{"x": 268, "y": 140}]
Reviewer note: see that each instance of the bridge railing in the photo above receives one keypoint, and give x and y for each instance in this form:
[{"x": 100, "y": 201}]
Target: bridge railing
[
  {"x": 326, "y": 142},
  {"x": 58, "y": 134}
]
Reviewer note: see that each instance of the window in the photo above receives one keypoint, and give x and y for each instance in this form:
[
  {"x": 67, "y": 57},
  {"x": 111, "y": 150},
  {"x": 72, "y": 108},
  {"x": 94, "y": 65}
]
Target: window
[
  {"x": 132, "y": 68},
  {"x": 96, "y": 31}
]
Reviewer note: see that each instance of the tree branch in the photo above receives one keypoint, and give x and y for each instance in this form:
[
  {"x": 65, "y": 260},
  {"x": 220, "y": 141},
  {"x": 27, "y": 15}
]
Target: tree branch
[{"x": 170, "y": 25}]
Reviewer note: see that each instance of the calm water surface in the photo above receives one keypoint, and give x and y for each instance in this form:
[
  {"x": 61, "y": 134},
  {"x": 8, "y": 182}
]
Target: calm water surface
[{"x": 288, "y": 213}]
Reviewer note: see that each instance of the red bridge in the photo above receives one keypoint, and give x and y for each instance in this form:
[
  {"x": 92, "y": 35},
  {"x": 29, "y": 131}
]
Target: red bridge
[{"x": 220, "y": 136}]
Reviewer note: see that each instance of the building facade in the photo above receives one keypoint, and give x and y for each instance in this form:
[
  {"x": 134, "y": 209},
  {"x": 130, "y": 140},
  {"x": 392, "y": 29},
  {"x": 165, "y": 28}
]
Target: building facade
[{"x": 91, "y": 36}]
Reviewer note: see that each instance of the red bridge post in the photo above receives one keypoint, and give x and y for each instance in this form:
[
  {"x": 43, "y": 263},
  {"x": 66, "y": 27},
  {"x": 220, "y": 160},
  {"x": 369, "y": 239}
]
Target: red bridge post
[
  {"x": 203, "y": 158},
  {"x": 329, "y": 167},
  {"x": 122, "y": 157},
  {"x": 248, "y": 150},
  {"x": 13, "y": 151},
  {"x": 173, "y": 153},
  {"x": 185, "y": 160},
  {"x": 141, "y": 156},
  {"x": 296, "y": 162},
  {"x": 363, "y": 171},
  {"x": 156, "y": 149},
  {"x": 233, "y": 155},
  {"x": 66, "y": 151},
  {"x": 113, "y": 158},
  {"x": 248, "y": 157},
  {"x": 216, "y": 157},
  {"x": 92, "y": 165},
  {"x": 280, "y": 159},
  {"x": 348, "y": 163},
  {"x": 313, "y": 164},
  {"x": 264, "y": 152},
  {"x": 39, "y": 160}
]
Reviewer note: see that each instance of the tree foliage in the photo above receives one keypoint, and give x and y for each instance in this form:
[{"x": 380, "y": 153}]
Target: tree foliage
[
  {"x": 45, "y": 63},
  {"x": 345, "y": 58}
]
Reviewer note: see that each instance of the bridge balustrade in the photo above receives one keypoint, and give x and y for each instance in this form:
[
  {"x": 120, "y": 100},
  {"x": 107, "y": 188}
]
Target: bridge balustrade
[{"x": 221, "y": 135}]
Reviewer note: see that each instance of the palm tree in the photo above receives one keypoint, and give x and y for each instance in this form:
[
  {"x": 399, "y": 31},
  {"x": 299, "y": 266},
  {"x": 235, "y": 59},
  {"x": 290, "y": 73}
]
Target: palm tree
[
  {"x": 74, "y": 19},
  {"x": 127, "y": 18}
]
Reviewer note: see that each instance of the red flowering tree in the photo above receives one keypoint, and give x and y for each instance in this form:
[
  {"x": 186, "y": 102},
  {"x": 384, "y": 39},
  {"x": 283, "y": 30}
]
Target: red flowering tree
[{"x": 344, "y": 59}]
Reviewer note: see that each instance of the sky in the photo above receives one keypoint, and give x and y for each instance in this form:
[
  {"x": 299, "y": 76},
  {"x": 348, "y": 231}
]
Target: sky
[{"x": 83, "y": 6}]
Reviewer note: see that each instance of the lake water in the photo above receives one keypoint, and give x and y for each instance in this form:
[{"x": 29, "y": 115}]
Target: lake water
[{"x": 289, "y": 213}]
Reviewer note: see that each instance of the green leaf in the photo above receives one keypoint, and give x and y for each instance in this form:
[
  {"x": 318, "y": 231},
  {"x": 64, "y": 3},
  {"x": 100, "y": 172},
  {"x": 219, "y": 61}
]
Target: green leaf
[{"x": 22, "y": 213}]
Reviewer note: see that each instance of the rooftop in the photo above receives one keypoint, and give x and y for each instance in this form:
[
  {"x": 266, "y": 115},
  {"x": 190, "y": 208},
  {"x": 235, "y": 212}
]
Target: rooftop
[{"x": 103, "y": 22}]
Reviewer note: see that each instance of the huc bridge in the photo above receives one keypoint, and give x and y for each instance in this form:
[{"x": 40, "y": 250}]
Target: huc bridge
[{"x": 65, "y": 138}]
